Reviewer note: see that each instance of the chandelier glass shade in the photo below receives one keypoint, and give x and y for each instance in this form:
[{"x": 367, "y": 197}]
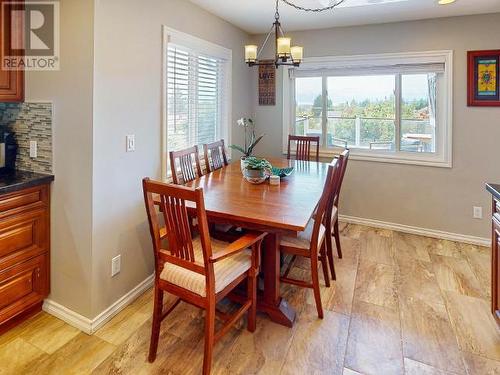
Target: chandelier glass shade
[{"x": 285, "y": 53}]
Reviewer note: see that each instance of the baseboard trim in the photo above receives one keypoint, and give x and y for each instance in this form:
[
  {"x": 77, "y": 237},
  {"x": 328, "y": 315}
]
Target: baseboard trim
[
  {"x": 89, "y": 326},
  {"x": 69, "y": 316},
  {"x": 417, "y": 230}
]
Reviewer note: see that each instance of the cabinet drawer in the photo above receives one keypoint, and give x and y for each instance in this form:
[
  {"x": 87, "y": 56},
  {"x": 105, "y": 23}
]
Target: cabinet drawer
[
  {"x": 23, "y": 236},
  {"x": 36, "y": 197},
  {"x": 497, "y": 206},
  {"x": 22, "y": 286}
]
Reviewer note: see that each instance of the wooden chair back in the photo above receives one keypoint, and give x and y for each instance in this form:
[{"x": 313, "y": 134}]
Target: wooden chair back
[
  {"x": 173, "y": 207},
  {"x": 189, "y": 165},
  {"x": 331, "y": 183},
  {"x": 215, "y": 155},
  {"x": 343, "y": 159},
  {"x": 303, "y": 147}
]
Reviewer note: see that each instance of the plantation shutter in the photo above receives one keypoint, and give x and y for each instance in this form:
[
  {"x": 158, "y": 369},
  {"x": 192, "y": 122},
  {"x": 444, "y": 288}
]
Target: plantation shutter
[{"x": 195, "y": 97}]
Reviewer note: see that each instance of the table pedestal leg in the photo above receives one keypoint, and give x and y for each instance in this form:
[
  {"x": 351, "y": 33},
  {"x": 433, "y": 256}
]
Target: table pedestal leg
[{"x": 276, "y": 307}]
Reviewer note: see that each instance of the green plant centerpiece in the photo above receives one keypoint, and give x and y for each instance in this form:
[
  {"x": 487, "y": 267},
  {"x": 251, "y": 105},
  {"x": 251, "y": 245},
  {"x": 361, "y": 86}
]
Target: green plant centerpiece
[
  {"x": 256, "y": 169},
  {"x": 251, "y": 140}
]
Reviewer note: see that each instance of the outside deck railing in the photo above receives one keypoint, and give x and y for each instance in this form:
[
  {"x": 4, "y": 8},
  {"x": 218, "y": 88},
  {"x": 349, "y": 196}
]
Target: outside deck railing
[{"x": 340, "y": 132}]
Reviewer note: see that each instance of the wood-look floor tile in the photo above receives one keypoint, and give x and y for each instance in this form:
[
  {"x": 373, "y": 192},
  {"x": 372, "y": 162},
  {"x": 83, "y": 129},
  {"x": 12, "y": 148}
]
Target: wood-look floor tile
[
  {"x": 354, "y": 231},
  {"x": 474, "y": 326},
  {"x": 479, "y": 259},
  {"x": 48, "y": 333},
  {"x": 17, "y": 331},
  {"x": 416, "y": 279},
  {"x": 408, "y": 247},
  {"x": 419, "y": 368},
  {"x": 428, "y": 336},
  {"x": 481, "y": 366},
  {"x": 16, "y": 354},
  {"x": 261, "y": 352},
  {"x": 339, "y": 296},
  {"x": 351, "y": 249},
  {"x": 376, "y": 284},
  {"x": 374, "y": 345},
  {"x": 342, "y": 226},
  {"x": 123, "y": 325},
  {"x": 446, "y": 248},
  {"x": 190, "y": 349},
  {"x": 131, "y": 356},
  {"x": 376, "y": 248},
  {"x": 455, "y": 275},
  {"x": 348, "y": 371},
  {"x": 318, "y": 345},
  {"x": 81, "y": 355}
]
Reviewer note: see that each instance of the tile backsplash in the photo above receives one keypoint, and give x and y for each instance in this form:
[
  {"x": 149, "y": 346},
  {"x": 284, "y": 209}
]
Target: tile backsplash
[{"x": 30, "y": 122}]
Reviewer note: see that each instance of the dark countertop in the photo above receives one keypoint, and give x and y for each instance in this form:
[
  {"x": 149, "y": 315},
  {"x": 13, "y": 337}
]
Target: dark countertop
[
  {"x": 494, "y": 189},
  {"x": 18, "y": 180}
]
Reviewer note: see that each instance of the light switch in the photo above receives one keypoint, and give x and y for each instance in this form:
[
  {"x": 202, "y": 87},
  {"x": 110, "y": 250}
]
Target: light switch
[
  {"x": 130, "y": 143},
  {"x": 33, "y": 149}
]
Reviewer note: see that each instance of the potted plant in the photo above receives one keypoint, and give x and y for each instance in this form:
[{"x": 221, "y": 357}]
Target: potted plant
[
  {"x": 255, "y": 169},
  {"x": 251, "y": 140}
]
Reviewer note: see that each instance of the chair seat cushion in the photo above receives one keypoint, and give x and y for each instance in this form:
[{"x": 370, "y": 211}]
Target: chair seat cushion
[
  {"x": 303, "y": 239},
  {"x": 225, "y": 271}
]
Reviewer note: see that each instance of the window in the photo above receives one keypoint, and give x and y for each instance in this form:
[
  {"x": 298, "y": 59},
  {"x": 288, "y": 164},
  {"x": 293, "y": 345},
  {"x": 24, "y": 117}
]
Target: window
[
  {"x": 393, "y": 107},
  {"x": 197, "y": 92}
]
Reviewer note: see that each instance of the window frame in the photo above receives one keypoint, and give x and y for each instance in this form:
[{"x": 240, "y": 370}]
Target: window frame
[
  {"x": 202, "y": 46},
  {"x": 363, "y": 63}
]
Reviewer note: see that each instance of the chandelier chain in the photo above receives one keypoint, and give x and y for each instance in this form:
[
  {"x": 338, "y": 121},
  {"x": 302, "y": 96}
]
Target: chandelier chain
[{"x": 315, "y": 10}]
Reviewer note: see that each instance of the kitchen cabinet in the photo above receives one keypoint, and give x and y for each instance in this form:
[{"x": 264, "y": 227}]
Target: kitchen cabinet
[
  {"x": 24, "y": 246},
  {"x": 495, "y": 249},
  {"x": 11, "y": 81}
]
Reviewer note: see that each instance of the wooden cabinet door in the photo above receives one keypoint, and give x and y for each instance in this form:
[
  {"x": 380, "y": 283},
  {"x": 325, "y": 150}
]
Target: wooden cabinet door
[
  {"x": 11, "y": 81},
  {"x": 495, "y": 269},
  {"x": 23, "y": 236},
  {"x": 23, "y": 286}
]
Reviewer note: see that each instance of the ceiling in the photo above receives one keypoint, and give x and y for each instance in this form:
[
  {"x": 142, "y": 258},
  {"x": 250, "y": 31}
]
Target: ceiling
[{"x": 256, "y": 16}]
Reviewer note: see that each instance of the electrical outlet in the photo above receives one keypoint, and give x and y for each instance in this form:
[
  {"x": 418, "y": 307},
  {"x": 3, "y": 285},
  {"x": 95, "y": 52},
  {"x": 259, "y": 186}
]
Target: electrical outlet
[
  {"x": 478, "y": 212},
  {"x": 116, "y": 265},
  {"x": 33, "y": 149},
  {"x": 130, "y": 143}
]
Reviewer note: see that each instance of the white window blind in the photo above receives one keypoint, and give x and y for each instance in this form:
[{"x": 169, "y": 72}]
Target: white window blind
[{"x": 196, "y": 97}]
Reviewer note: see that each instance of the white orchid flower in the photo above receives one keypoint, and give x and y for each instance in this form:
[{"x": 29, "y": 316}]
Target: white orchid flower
[{"x": 241, "y": 122}]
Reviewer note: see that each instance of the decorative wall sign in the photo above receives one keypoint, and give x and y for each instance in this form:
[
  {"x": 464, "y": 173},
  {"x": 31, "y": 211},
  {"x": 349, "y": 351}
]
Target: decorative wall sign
[
  {"x": 267, "y": 84},
  {"x": 483, "y": 78}
]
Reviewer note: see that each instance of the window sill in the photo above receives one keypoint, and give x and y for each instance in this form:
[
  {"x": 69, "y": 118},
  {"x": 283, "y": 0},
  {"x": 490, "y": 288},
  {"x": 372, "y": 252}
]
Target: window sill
[{"x": 391, "y": 158}]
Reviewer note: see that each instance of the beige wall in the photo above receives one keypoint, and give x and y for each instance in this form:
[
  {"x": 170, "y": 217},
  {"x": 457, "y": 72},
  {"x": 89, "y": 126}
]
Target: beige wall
[
  {"x": 434, "y": 198},
  {"x": 70, "y": 90},
  {"x": 127, "y": 100}
]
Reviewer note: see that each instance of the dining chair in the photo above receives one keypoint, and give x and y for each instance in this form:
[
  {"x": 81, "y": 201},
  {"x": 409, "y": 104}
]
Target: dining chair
[
  {"x": 188, "y": 165},
  {"x": 303, "y": 147},
  {"x": 215, "y": 156},
  {"x": 199, "y": 271},
  {"x": 311, "y": 242},
  {"x": 333, "y": 215}
]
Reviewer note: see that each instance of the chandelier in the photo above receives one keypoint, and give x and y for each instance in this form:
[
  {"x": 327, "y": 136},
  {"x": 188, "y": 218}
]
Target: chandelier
[{"x": 285, "y": 54}]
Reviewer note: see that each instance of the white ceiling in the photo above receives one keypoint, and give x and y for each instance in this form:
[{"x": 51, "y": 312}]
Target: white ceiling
[{"x": 256, "y": 16}]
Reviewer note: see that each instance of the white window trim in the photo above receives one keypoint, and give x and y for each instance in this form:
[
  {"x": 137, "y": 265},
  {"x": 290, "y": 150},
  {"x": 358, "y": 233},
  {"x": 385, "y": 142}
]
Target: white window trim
[
  {"x": 174, "y": 36},
  {"x": 441, "y": 159}
]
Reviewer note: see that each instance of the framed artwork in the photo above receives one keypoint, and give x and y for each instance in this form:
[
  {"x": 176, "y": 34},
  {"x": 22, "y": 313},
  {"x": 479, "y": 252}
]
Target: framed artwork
[
  {"x": 483, "y": 78},
  {"x": 267, "y": 84}
]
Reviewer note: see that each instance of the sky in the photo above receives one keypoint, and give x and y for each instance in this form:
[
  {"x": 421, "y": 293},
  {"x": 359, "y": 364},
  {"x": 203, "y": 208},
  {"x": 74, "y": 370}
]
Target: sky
[{"x": 342, "y": 89}]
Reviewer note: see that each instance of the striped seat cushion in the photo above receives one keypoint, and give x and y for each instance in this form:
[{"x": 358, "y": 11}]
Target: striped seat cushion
[
  {"x": 303, "y": 239},
  {"x": 225, "y": 271}
]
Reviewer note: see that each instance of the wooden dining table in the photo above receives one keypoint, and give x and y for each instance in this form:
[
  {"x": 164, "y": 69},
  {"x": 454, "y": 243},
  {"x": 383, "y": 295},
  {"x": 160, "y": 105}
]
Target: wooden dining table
[{"x": 278, "y": 210}]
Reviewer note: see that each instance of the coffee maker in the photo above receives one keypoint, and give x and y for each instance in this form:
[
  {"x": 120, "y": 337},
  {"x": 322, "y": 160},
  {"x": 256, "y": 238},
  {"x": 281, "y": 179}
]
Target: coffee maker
[{"x": 8, "y": 150}]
